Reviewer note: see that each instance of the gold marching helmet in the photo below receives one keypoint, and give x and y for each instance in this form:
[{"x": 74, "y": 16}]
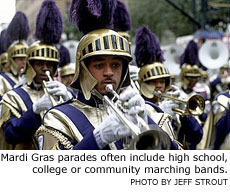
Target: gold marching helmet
[
  {"x": 99, "y": 42},
  {"x": 149, "y": 57},
  {"x": 95, "y": 21},
  {"x": 3, "y": 61},
  {"x": 189, "y": 64},
  {"x": 189, "y": 71},
  {"x": 40, "y": 51},
  {"x": 4, "y": 58},
  {"x": 48, "y": 33},
  {"x": 66, "y": 70},
  {"x": 17, "y": 33},
  {"x": 153, "y": 71},
  {"x": 16, "y": 50},
  {"x": 3, "y": 51}
]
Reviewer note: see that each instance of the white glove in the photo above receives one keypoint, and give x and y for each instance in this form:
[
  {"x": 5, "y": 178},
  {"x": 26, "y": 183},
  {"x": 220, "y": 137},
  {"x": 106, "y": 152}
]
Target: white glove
[
  {"x": 42, "y": 104},
  {"x": 22, "y": 81},
  {"x": 225, "y": 80},
  {"x": 177, "y": 92},
  {"x": 110, "y": 130},
  {"x": 134, "y": 71},
  {"x": 57, "y": 89},
  {"x": 167, "y": 106},
  {"x": 135, "y": 104}
]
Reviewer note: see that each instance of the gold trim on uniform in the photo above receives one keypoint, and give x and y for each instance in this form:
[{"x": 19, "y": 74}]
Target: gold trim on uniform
[
  {"x": 13, "y": 104},
  {"x": 5, "y": 86},
  {"x": 57, "y": 135},
  {"x": 57, "y": 121}
]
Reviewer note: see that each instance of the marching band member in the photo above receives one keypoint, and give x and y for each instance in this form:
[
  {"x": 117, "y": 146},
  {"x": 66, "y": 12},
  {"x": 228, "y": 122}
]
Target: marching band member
[
  {"x": 222, "y": 82},
  {"x": 190, "y": 72},
  {"x": 23, "y": 107},
  {"x": 154, "y": 76},
  {"x": 4, "y": 66},
  {"x": 16, "y": 35},
  {"x": 66, "y": 68},
  {"x": 103, "y": 58},
  {"x": 221, "y": 104}
]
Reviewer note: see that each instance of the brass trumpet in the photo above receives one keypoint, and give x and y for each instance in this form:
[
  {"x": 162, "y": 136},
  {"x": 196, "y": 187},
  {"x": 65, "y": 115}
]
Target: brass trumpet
[
  {"x": 143, "y": 137},
  {"x": 52, "y": 99},
  {"x": 195, "y": 104}
]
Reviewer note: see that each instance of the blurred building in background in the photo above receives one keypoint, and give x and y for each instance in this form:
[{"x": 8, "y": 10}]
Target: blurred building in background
[{"x": 31, "y": 8}]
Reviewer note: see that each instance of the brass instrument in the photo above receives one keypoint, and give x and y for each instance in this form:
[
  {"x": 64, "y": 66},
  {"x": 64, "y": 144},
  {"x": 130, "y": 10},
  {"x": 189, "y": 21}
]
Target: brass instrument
[
  {"x": 52, "y": 99},
  {"x": 143, "y": 137},
  {"x": 195, "y": 104}
]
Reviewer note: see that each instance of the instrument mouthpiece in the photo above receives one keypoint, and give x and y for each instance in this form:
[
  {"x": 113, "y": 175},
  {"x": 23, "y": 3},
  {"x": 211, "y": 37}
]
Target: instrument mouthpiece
[
  {"x": 109, "y": 88},
  {"x": 48, "y": 75}
]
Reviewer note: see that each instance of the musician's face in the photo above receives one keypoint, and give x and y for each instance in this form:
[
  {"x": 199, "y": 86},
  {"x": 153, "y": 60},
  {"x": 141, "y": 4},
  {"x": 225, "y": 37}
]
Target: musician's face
[
  {"x": 192, "y": 81},
  {"x": 67, "y": 80},
  {"x": 224, "y": 72},
  {"x": 40, "y": 67},
  {"x": 159, "y": 84},
  {"x": 21, "y": 62},
  {"x": 106, "y": 70}
]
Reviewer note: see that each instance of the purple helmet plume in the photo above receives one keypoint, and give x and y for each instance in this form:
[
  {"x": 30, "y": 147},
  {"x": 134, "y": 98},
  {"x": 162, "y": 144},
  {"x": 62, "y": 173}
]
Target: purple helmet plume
[
  {"x": 91, "y": 15},
  {"x": 18, "y": 28},
  {"x": 64, "y": 55},
  {"x": 49, "y": 23},
  {"x": 147, "y": 49},
  {"x": 3, "y": 45},
  {"x": 190, "y": 55},
  {"x": 121, "y": 18}
]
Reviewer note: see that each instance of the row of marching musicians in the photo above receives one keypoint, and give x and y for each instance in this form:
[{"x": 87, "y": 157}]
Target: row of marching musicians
[
  {"x": 101, "y": 110},
  {"x": 192, "y": 94}
]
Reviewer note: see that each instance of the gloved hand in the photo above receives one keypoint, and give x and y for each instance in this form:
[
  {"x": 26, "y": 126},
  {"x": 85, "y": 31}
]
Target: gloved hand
[
  {"x": 167, "y": 106},
  {"x": 22, "y": 81},
  {"x": 57, "y": 89},
  {"x": 110, "y": 130},
  {"x": 135, "y": 104},
  {"x": 177, "y": 92},
  {"x": 42, "y": 104},
  {"x": 225, "y": 80},
  {"x": 133, "y": 72}
]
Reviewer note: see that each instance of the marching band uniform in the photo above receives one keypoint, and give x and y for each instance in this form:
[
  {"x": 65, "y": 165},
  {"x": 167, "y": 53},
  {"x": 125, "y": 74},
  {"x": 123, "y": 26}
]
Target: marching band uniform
[
  {"x": 23, "y": 107},
  {"x": 189, "y": 76},
  {"x": 149, "y": 59},
  {"x": 221, "y": 82},
  {"x": 222, "y": 121},
  {"x": 84, "y": 123},
  {"x": 15, "y": 36}
]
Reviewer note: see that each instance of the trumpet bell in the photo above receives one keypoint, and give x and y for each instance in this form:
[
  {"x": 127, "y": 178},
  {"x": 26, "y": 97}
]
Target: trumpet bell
[
  {"x": 196, "y": 105},
  {"x": 151, "y": 140},
  {"x": 213, "y": 54}
]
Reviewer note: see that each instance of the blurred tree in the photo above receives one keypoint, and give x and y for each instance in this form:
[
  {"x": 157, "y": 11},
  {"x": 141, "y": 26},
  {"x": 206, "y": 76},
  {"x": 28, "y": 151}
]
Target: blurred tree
[
  {"x": 71, "y": 30},
  {"x": 163, "y": 18},
  {"x": 160, "y": 17}
]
